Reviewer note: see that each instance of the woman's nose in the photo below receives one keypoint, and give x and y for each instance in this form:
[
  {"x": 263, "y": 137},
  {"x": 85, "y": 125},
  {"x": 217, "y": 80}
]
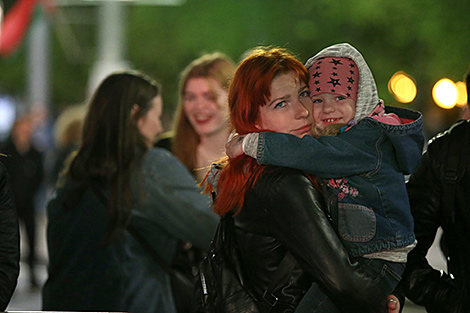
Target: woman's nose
[
  {"x": 199, "y": 103},
  {"x": 302, "y": 110}
]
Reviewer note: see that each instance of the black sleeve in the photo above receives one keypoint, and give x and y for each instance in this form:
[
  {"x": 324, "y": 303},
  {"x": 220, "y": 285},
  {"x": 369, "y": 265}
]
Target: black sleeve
[
  {"x": 302, "y": 226},
  {"x": 421, "y": 283},
  {"x": 9, "y": 241}
]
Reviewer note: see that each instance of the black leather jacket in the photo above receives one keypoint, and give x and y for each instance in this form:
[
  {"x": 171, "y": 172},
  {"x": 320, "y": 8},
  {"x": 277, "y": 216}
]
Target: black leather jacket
[
  {"x": 9, "y": 241},
  {"x": 283, "y": 212},
  {"x": 422, "y": 284}
]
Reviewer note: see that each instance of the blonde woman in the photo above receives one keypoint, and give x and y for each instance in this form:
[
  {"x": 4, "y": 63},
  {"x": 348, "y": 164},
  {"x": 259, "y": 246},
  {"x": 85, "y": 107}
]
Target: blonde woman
[{"x": 201, "y": 125}]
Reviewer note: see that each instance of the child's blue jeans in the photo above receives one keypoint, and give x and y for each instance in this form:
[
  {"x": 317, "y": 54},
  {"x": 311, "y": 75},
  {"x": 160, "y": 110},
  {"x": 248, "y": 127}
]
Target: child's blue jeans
[{"x": 386, "y": 276}]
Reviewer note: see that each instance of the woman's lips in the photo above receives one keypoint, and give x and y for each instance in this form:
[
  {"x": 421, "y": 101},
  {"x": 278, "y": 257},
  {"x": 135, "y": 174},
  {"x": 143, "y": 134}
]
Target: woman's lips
[
  {"x": 202, "y": 120},
  {"x": 304, "y": 129}
]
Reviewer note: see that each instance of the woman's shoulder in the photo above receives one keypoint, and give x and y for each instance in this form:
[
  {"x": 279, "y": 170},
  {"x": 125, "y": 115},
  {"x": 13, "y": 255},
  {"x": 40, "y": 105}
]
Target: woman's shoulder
[
  {"x": 279, "y": 172},
  {"x": 278, "y": 180},
  {"x": 439, "y": 145},
  {"x": 159, "y": 156},
  {"x": 159, "y": 162},
  {"x": 160, "y": 159},
  {"x": 280, "y": 192}
]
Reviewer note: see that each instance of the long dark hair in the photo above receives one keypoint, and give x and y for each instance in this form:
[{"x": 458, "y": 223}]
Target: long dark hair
[{"x": 111, "y": 142}]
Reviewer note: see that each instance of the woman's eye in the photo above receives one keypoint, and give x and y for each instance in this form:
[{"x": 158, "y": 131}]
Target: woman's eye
[
  {"x": 211, "y": 97},
  {"x": 280, "y": 105},
  {"x": 305, "y": 93},
  {"x": 188, "y": 98}
]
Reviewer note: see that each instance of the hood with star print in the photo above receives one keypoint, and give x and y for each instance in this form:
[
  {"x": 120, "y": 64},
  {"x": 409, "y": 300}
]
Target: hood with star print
[{"x": 367, "y": 97}]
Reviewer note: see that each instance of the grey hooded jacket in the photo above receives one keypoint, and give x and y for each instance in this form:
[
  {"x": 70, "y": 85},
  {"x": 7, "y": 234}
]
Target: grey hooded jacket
[{"x": 367, "y": 96}]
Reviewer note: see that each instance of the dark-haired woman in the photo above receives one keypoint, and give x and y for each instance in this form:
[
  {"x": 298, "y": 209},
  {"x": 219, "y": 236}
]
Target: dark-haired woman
[{"x": 116, "y": 180}]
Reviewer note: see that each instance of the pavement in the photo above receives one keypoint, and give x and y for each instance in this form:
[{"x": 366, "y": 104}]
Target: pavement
[{"x": 27, "y": 299}]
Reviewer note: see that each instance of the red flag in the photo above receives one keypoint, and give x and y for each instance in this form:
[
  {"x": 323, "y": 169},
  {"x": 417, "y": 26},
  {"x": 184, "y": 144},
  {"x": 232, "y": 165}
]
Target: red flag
[{"x": 15, "y": 24}]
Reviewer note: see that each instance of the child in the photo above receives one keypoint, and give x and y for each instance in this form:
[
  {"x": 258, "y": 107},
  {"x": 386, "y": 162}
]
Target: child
[{"x": 363, "y": 167}]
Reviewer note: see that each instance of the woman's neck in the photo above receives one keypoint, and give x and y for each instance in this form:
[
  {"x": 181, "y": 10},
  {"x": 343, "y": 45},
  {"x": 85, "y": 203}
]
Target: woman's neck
[{"x": 210, "y": 149}]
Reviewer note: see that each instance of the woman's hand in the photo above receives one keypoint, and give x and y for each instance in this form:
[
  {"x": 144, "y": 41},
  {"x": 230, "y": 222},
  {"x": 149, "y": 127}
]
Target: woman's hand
[
  {"x": 234, "y": 148},
  {"x": 393, "y": 305}
]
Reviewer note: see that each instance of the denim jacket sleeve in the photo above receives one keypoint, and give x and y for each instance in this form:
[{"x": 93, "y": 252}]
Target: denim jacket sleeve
[
  {"x": 9, "y": 241},
  {"x": 172, "y": 200},
  {"x": 295, "y": 216},
  {"x": 330, "y": 156}
]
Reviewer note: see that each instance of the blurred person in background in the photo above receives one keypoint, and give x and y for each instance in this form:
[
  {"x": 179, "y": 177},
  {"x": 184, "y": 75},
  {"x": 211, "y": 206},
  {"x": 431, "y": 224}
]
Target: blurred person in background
[
  {"x": 25, "y": 166},
  {"x": 117, "y": 189},
  {"x": 201, "y": 129},
  {"x": 201, "y": 125},
  {"x": 439, "y": 197},
  {"x": 9, "y": 241},
  {"x": 67, "y": 135}
]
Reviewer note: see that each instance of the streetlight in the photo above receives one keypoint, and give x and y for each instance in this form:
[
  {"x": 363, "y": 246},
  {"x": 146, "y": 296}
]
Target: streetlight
[
  {"x": 445, "y": 93},
  {"x": 462, "y": 94},
  {"x": 403, "y": 87}
]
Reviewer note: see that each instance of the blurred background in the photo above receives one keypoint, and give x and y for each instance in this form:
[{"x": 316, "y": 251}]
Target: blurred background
[
  {"x": 63, "y": 48},
  {"x": 53, "y": 53}
]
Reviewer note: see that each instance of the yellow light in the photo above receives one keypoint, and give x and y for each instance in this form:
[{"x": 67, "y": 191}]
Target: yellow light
[
  {"x": 462, "y": 94},
  {"x": 445, "y": 93},
  {"x": 402, "y": 87}
]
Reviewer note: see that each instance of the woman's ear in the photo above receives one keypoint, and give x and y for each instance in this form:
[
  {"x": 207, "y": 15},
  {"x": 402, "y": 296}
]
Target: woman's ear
[{"x": 134, "y": 110}]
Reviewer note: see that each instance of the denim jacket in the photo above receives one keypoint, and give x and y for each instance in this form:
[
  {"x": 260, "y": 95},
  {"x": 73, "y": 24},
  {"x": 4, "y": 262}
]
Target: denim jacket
[
  {"x": 85, "y": 275},
  {"x": 364, "y": 168}
]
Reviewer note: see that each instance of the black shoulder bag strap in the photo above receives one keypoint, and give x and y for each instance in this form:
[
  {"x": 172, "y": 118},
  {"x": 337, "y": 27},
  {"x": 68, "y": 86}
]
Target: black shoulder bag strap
[{"x": 147, "y": 246}]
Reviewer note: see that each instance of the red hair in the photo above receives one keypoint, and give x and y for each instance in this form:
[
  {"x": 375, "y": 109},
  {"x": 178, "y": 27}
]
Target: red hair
[{"x": 249, "y": 90}]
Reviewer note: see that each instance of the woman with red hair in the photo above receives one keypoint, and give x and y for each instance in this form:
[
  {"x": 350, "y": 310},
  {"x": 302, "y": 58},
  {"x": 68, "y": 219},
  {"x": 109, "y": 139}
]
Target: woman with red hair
[{"x": 281, "y": 210}]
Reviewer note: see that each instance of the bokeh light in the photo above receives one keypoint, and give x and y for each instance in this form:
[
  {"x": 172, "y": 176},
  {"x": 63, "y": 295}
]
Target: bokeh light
[
  {"x": 445, "y": 93},
  {"x": 403, "y": 87},
  {"x": 462, "y": 94}
]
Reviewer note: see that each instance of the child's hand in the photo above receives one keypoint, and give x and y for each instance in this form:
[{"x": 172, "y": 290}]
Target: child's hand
[
  {"x": 234, "y": 148},
  {"x": 393, "y": 305}
]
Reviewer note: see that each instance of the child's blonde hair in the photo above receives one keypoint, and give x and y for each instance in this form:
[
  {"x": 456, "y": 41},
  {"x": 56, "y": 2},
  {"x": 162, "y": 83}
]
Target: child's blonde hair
[{"x": 330, "y": 130}]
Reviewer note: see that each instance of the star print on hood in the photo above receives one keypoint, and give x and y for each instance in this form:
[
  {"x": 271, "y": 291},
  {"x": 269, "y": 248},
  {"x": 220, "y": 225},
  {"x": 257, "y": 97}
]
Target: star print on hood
[
  {"x": 334, "y": 75},
  {"x": 367, "y": 96}
]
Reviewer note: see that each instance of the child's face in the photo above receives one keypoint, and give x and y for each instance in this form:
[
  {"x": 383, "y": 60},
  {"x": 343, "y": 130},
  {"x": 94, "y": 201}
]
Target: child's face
[{"x": 329, "y": 108}]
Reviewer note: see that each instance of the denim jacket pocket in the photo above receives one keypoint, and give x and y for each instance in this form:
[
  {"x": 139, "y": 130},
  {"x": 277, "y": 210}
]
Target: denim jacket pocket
[{"x": 356, "y": 223}]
